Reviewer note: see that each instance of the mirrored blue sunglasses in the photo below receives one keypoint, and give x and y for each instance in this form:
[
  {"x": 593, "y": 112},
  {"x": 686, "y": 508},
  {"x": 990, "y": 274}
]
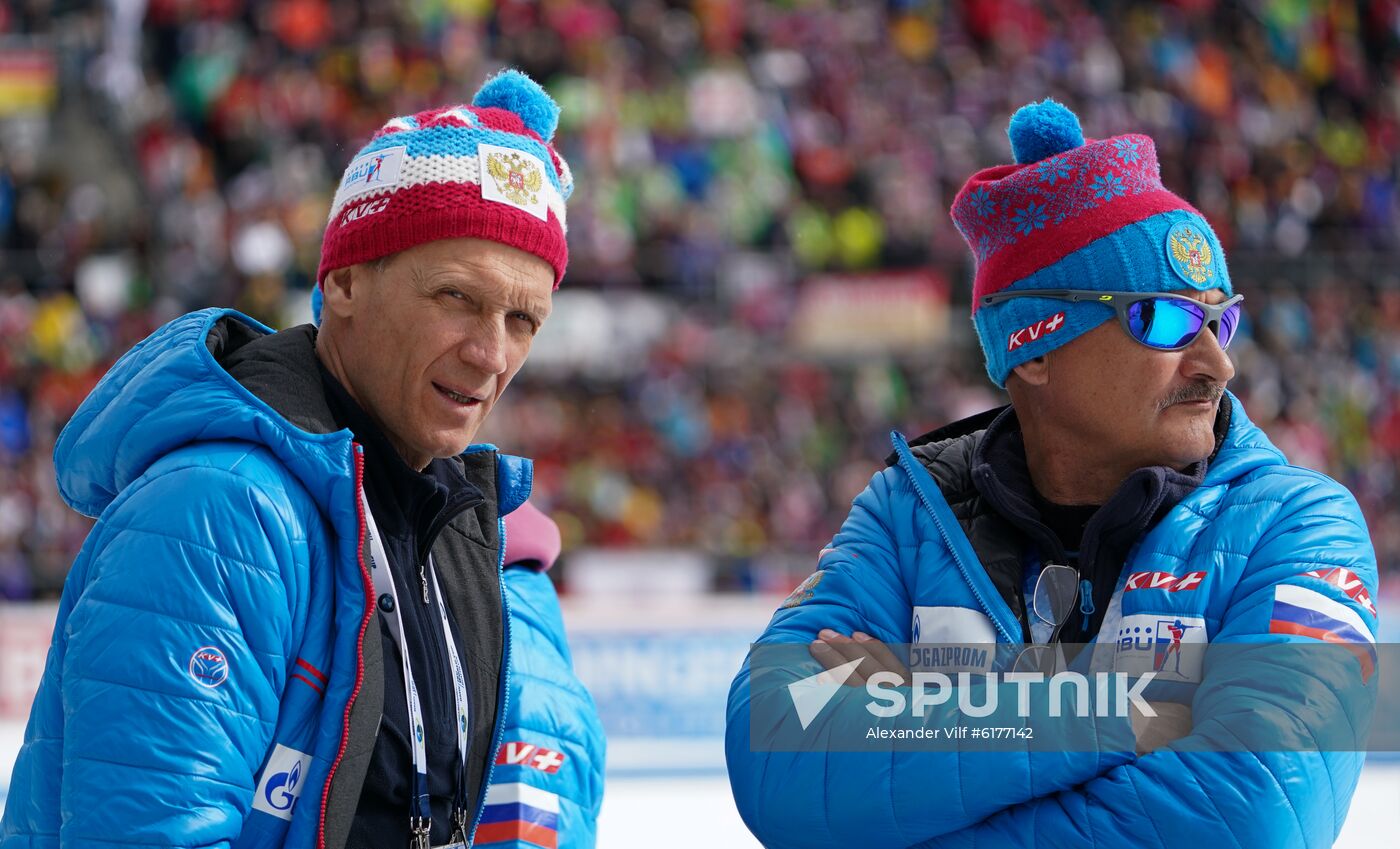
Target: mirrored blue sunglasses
[{"x": 1159, "y": 321}]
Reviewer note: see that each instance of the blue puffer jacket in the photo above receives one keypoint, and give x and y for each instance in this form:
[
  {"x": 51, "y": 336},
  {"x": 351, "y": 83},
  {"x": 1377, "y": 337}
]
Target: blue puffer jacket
[
  {"x": 554, "y": 739},
  {"x": 1223, "y": 566},
  {"x": 209, "y": 681}
]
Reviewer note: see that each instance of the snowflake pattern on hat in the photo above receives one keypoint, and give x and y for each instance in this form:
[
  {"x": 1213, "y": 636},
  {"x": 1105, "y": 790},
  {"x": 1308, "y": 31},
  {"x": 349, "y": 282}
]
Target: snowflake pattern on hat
[{"x": 1001, "y": 212}]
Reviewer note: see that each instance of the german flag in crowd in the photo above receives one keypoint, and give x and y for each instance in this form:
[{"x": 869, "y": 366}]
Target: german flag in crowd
[{"x": 28, "y": 80}]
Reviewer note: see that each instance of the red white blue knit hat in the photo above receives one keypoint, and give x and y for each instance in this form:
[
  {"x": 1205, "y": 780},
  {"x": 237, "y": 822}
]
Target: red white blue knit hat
[
  {"x": 1074, "y": 214},
  {"x": 485, "y": 170}
]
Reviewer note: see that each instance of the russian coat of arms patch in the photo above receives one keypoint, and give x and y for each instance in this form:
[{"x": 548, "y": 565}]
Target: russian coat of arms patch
[{"x": 1189, "y": 254}]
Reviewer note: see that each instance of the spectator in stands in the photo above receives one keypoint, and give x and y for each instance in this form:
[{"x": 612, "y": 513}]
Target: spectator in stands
[{"x": 733, "y": 149}]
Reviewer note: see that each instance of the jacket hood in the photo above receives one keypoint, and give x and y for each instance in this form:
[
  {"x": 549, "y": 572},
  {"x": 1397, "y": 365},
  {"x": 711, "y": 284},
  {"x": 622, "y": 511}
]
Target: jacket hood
[{"x": 171, "y": 390}]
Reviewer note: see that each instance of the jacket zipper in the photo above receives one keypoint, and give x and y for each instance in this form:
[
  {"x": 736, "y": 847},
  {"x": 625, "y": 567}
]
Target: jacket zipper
[
  {"x": 503, "y": 698},
  {"x": 904, "y": 461},
  {"x": 359, "y": 646}
]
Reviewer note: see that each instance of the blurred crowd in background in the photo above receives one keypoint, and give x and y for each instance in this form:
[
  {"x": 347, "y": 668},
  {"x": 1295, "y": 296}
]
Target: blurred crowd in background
[{"x": 168, "y": 155}]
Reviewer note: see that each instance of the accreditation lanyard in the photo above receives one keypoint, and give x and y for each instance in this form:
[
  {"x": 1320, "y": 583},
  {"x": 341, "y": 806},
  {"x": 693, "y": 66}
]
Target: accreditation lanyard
[{"x": 421, "y": 819}]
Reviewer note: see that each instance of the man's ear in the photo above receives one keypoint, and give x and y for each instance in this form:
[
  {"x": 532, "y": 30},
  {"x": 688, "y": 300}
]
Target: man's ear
[
  {"x": 1034, "y": 372},
  {"x": 339, "y": 291}
]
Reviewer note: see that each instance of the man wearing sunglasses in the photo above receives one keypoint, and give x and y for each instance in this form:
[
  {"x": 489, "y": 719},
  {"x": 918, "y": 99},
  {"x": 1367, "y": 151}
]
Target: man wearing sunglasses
[{"x": 1122, "y": 499}]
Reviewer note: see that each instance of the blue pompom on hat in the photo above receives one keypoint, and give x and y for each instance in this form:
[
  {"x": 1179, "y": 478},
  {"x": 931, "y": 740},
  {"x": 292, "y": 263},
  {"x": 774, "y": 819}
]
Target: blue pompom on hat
[
  {"x": 1042, "y": 130},
  {"x": 515, "y": 92}
]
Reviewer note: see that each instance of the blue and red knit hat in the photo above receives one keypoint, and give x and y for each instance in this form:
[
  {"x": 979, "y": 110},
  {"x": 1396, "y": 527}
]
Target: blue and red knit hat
[
  {"x": 485, "y": 170},
  {"x": 1074, "y": 214}
]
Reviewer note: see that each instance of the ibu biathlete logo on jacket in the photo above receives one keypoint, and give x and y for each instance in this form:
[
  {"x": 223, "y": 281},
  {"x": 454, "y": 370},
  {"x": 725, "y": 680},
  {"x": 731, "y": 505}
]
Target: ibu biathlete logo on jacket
[
  {"x": 1152, "y": 619},
  {"x": 1260, "y": 552}
]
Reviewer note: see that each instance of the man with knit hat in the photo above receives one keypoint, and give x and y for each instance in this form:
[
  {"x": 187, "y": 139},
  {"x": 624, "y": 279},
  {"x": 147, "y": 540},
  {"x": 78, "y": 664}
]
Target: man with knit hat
[
  {"x": 289, "y": 626},
  {"x": 1122, "y": 499}
]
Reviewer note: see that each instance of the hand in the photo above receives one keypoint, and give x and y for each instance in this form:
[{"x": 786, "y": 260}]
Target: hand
[
  {"x": 832, "y": 649},
  {"x": 1172, "y": 722}
]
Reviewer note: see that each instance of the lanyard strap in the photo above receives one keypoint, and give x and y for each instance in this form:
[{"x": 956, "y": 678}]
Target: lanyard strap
[
  {"x": 420, "y": 819},
  {"x": 459, "y": 674}
]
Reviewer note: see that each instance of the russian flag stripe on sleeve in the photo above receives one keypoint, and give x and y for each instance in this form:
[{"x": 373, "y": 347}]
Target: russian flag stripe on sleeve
[
  {"x": 523, "y": 794},
  {"x": 510, "y": 832},
  {"x": 523, "y": 813},
  {"x": 519, "y": 812},
  {"x": 1321, "y": 610},
  {"x": 1308, "y": 613}
]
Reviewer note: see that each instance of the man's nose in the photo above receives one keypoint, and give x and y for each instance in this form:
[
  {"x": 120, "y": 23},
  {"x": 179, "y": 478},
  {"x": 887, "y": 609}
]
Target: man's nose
[
  {"x": 484, "y": 348},
  {"x": 1206, "y": 360}
]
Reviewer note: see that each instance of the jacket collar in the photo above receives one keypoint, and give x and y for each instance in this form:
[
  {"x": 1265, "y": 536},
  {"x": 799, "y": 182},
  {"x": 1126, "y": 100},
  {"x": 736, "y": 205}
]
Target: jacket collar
[
  {"x": 281, "y": 369},
  {"x": 407, "y": 503},
  {"x": 1002, "y": 476}
]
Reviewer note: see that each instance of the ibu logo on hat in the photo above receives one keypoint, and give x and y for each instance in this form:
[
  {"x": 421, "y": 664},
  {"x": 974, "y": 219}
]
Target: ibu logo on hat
[{"x": 378, "y": 169}]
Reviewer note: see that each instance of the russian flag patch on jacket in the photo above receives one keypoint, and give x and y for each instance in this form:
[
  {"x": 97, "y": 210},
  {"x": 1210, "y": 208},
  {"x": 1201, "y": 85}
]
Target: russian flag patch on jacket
[
  {"x": 519, "y": 812},
  {"x": 1308, "y": 613}
]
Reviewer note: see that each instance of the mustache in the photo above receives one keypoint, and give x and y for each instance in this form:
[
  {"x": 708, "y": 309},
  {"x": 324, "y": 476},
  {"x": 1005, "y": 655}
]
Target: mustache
[{"x": 1202, "y": 391}]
